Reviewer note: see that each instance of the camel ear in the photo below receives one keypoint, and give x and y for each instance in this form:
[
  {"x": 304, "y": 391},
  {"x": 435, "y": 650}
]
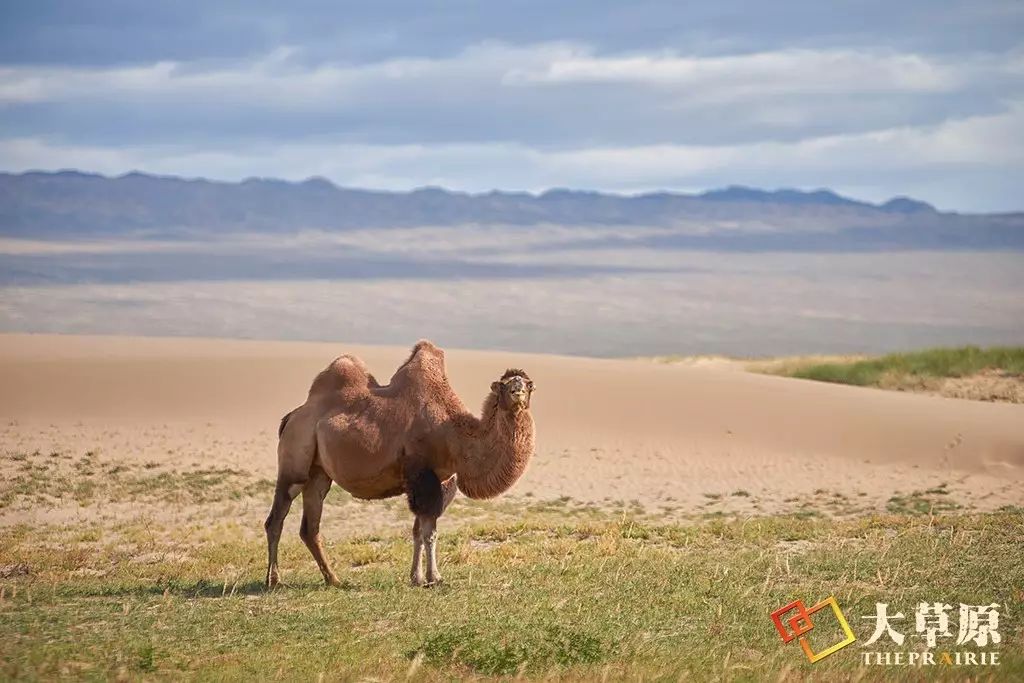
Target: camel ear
[{"x": 495, "y": 386}]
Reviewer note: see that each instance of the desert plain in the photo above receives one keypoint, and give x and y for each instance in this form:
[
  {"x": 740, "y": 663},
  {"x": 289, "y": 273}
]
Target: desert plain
[{"x": 680, "y": 440}]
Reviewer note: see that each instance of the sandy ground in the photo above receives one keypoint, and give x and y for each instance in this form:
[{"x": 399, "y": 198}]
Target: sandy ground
[{"x": 680, "y": 439}]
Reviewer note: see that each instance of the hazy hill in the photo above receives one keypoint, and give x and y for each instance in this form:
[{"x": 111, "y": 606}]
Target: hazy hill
[{"x": 71, "y": 204}]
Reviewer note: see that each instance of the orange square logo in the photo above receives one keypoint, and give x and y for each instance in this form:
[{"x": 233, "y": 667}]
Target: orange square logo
[{"x": 800, "y": 624}]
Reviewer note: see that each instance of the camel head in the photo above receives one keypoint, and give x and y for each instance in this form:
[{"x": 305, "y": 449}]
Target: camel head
[{"x": 513, "y": 390}]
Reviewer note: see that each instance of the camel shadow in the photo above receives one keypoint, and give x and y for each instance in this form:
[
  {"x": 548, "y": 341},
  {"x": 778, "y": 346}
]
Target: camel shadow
[{"x": 207, "y": 589}]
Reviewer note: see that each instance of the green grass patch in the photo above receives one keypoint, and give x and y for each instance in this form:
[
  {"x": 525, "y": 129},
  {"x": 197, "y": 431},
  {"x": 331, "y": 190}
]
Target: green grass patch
[
  {"x": 937, "y": 363},
  {"x": 929, "y": 502},
  {"x": 36, "y": 480},
  {"x": 561, "y": 598}
]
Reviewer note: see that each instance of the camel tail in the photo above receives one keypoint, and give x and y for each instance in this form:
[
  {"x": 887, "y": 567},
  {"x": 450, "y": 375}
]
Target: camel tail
[{"x": 284, "y": 423}]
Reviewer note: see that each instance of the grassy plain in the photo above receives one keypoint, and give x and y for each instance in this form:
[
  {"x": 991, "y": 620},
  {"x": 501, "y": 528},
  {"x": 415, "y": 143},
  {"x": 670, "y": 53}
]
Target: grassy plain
[{"x": 539, "y": 590}]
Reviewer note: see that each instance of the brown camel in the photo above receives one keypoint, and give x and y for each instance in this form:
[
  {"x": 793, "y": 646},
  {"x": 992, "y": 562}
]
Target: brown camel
[{"x": 413, "y": 436}]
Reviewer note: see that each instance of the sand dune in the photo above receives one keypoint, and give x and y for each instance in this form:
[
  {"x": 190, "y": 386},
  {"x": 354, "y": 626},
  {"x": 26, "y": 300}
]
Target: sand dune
[{"x": 683, "y": 438}]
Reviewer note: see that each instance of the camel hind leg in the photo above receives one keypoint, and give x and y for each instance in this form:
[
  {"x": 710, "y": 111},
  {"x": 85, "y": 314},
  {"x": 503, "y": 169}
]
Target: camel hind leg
[
  {"x": 295, "y": 452},
  {"x": 313, "y": 495},
  {"x": 284, "y": 494}
]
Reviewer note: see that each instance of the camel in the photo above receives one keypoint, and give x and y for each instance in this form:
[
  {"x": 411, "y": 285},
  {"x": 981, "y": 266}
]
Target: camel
[{"x": 413, "y": 436}]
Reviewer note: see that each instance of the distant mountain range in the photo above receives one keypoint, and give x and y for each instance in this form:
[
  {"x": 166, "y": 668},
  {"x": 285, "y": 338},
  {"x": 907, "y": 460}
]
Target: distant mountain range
[{"x": 72, "y": 204}]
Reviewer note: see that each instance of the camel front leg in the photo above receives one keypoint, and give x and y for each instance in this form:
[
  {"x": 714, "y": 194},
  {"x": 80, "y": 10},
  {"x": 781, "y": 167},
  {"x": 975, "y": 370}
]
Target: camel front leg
[
  {"x": 428, "y": 532},
  {"x": 424, "y": 542},
  {"x": 416, "y": 573},
  {"x": 428, "y": 498}
]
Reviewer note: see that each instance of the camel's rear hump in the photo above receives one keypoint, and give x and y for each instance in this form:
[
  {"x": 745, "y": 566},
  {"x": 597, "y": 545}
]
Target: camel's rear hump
[{"x": 345, "y": 373}]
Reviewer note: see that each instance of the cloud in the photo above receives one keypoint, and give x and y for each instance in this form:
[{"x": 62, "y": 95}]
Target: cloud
[
  {"x": 956, "y": 159},
  {"x": 119, "y": 32},
  {"x": 546, "y": 95},
  {"x": 497, "y": 66},
  {"x": 737, "y": 76},
  {"x": 869, "y": 97}
]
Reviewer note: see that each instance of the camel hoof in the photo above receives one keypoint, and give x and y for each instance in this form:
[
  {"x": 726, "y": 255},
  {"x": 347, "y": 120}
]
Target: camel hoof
[
  {"x": 417, "y": 581},
  {"x": 332, "y": 581},
  {"x": 434, "y": 583},
  {"x": 273, "y": 581}
]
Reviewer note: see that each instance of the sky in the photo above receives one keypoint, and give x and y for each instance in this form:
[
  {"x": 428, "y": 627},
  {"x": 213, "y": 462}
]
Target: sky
[{"x": 872, "y": 99}]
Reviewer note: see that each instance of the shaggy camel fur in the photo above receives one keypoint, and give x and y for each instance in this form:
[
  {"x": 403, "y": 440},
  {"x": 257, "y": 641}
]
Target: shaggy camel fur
[{"x": 413, "y": 436}]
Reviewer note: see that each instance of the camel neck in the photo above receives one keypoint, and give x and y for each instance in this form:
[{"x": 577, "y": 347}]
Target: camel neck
[{"x": 495, "y": 454}]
